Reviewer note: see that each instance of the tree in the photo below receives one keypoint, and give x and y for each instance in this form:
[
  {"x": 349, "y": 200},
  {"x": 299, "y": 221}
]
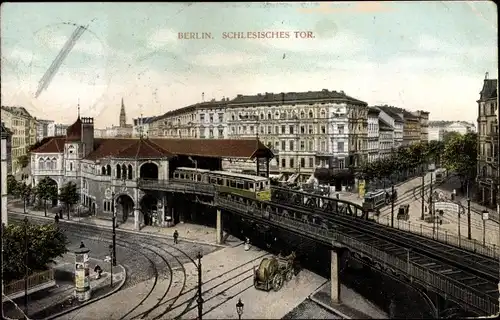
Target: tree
[
  {"x": 45, "y": 242},
  {"x": 69, "y": 195},
  {"x": 460, "y": 156},
  {"x": 46, "y": 189},
  {"x": 23, "y": 161},
  {"x": 12, "y": 186},
  {"x": 449, "y": 136},
  {"x": 25, "y": 191}
]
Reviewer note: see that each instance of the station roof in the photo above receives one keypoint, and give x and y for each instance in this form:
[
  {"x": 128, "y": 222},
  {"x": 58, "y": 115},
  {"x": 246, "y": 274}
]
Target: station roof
[{"x": 161, "y": 148}]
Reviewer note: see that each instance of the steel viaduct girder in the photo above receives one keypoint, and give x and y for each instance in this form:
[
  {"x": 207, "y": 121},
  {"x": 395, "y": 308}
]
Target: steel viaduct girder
[
  {"x": 317, "y": 203},
  {"x": 317, "y": 226}
]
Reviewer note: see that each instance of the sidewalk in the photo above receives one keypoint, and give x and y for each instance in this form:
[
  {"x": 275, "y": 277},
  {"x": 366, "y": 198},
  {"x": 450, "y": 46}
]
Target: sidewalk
[
  {"x": 60, "y": 299},
  {"x": 187, "y": 232}
]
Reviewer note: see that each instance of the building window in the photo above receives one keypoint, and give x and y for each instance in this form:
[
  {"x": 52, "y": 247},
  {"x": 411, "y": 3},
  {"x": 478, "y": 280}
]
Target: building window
[
  {"x": 202, "y": 118},
  {"x": 311, "y": 145},
  {"x": 283, "y": 145},
  {"x": 323, "y": 129},
  {"x": 221, "y": 117},
  {"x": 322, "y": 113},
  {"x": 302, "y": 114},
  {"x": 118, "y": 171},
  {"x": 292, "y": 163},
  {"x": 269, "y": 130},
  {"x": 211, "y": 133},
  {"x": 283, "y": 163},
  {"x": 341, "y": 129},
  {"x": 302, "y": 145},
  {"x": 323, "y": 146},
  {"x": 290, "y": 128},
  {"x": 41, "y": 164},
  {"x": 262, "y": 130},
  {"x": 311, "y": 131},
  {"x": 211, "y": 116},
  {"x": 71, "y": 166},
  {"x": 291, "y": 145},
  {"x": 302, "y": 129},
  {"x": 311, "y": 162},
  {"x": 341, "y": 163},
  {"x": 269, "y": 116},
  {"x": 251, "y": 129},
  {"x": 302, "y": 162},
  {"x": 283, "y": 129},
  {"x": 129, "y": 171},
  {"x": 340, "y": 146},
  {"x": 221, "y": 133},
  {"x": 311, "y": 114}
]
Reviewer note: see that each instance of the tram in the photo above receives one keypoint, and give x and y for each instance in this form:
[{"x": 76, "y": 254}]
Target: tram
[
  {"x": 374, "y": 200},
  {"x": 228, "y": 182}
]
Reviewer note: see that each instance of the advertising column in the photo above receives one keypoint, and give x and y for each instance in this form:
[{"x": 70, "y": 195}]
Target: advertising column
[{"x": 82, "y": 278}]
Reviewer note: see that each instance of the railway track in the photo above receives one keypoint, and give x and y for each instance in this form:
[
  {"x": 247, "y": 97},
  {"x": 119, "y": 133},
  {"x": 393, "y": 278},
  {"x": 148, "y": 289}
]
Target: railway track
[{"x": 476, "y": 271}]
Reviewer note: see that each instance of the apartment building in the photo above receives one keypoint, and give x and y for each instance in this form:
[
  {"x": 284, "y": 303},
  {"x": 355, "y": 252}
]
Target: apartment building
[
  {"x": 423, "y": 117},
  {"x": 436, "y": 132},
  {"x": 373, "y": 134},
  {"x": 305, "y": 130},
  {"x": 437, "y": 129},
  {"x": 5, "y": 135},
  {"x": 56, "y": 129},
  {"x": 411, "y": 128},
  {"x": 42, "y": 129},
  {"x": 141, "y": 126},
  {"x": 205, "y": 120},
  {"x": 386, "y": 139},
  {"x": 488, "y": 120},
  {"x": 23, "y": 127},
  {"x": 395, "y": 119}
]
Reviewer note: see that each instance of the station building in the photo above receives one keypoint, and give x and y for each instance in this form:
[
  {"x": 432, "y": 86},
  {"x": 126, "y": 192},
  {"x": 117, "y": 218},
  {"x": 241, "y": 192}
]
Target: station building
[{"x": 107, "y": 170}]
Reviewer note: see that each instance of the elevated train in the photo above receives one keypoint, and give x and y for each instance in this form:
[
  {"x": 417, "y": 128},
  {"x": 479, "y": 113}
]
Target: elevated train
[{"x": 245, "y": 185}]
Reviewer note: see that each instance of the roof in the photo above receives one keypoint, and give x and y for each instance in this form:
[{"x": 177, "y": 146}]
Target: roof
[
  {"x": 409, "y": 116},
  {"x": 489, "y": 90},
  {"x": 240, "y": 175},
  {"x": 384, "y": 126},
  {"x": 374, "y": 111},
  {"x": 445, "y": 123},
  {"x": 160, "y": 148},
  {"x": 202, "y": 105},
  {"x": 17, "y": 110},
  {"x": 52, "y": 145},
  {"x": 144, "y": 120},
  {"x": 392, "y": 112},
  {"x": 4, "y": 131},
  {"x": 283, "y": 97},
  {"x": 74, "y": 131},
  {"x": 217, "y": 148}
]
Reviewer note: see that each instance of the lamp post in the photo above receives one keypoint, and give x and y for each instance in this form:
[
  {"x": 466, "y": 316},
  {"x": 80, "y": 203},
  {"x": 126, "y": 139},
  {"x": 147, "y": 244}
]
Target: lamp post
[
  {"x": 113, "y": 253},
  {"x": 199, "y": 300},
  {"x": 111, "y": 263},
  {"x": 485, "y": 217},
  {"x": 392, "y": 206},
  {"x": 239, "y": 308},
  {"x": 26, "y": 269},
  {"x": 468, "y": 213},
  {"x": 423, "y": 196}
]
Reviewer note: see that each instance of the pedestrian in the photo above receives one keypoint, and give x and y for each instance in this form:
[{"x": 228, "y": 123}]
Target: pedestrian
[
  {"x": 176, "y": 237},
  {"x": 82, "y": 245},
  {"x": 60, "y": 213},
  {"x": 56, "y": 218}
]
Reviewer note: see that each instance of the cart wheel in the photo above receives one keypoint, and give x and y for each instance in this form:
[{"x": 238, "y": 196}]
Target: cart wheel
[
  {"x": 277, "y": 282},
  {"x": 289, "y": 275}
]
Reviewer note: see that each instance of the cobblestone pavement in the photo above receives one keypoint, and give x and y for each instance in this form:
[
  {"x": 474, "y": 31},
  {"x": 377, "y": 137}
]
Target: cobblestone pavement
[{"x": 227, "y": 277}]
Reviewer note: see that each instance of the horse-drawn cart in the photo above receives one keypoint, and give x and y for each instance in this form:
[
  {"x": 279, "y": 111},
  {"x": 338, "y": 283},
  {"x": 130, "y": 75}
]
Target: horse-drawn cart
[{"x": 273, "y": 272}]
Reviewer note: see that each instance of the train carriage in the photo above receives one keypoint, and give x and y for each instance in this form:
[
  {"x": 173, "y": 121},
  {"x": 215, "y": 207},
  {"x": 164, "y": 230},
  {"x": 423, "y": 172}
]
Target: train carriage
[{"x": 228, "y": 182}]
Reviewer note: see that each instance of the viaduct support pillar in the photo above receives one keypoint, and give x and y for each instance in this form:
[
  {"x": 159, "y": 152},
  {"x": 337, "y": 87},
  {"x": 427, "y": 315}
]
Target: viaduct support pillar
[
  {"x": 334, "y": 277},
  {"x": 218, "y": 231},
  {"x": 137, "y": 218}
]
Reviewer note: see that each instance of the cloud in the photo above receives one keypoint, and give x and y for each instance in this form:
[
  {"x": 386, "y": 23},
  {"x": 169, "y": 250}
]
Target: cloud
[
  {"x": 225, "y": 59},
  {"x": 18, "y": 54},
  {"x": 162, "y": 38}
]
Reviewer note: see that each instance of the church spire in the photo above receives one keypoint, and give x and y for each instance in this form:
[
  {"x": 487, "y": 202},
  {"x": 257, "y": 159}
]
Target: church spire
[{"x": 123, "y": 117}]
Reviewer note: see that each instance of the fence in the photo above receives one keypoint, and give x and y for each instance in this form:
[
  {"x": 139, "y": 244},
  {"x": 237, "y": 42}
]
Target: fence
[
  {"x": 445, "y": 237},
  {"x": 425, "y": 276},
  {"x": 33, "y": 281}
]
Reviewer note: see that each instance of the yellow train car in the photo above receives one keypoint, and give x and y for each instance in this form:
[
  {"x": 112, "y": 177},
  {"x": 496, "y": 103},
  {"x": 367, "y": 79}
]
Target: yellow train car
[{"x": 249, "y": 186}]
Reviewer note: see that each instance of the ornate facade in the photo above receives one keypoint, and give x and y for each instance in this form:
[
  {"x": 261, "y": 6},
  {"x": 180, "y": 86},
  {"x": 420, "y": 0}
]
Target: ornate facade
[{"x": 487, "y": 167}]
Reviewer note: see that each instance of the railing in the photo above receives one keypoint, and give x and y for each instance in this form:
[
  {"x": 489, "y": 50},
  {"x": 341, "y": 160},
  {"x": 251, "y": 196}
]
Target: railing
[
  {"x": 38, "y": 172},
  {"x": 446, "y": 237},
  {"x": 33, "y": 281},
  {"x": 178, "y": 186},
  {"x": 416, "y": 272}
]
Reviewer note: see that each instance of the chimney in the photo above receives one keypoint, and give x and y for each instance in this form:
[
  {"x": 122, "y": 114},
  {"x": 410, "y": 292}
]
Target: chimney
[
  {"x": 87, "y": 135},
  {"x": 486, "y": 76},
  {"x": 203, "y": 96}
]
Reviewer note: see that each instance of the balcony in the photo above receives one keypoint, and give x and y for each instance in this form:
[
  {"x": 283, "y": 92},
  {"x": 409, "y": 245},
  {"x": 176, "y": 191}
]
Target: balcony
[{"x": 37, "y": 172}]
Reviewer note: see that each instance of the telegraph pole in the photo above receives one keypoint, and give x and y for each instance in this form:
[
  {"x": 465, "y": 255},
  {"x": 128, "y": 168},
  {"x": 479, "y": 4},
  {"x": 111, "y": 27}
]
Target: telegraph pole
[
  {"x": 26, "y": 269},
  {"x": 392, "y": 206},
  {"x": 200, "y": 298},
  {"x": 113, "y": 256},
  {"x": 423, "y": 196},
  {"x": 468, "y": 213}
]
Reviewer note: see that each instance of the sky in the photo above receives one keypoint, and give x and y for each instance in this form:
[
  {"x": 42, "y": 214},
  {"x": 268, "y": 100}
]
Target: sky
[{"x": 429, "y": 56}]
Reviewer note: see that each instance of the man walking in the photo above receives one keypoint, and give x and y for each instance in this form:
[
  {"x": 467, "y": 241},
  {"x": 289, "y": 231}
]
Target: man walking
[{"x": 176, "y": 237}]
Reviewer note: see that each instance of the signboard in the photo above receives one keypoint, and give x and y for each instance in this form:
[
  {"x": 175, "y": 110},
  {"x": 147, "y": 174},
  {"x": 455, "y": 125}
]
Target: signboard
[
  {"x": 80, "y": 280},
  {"x": 485, "y": 215},
  {"x": 107, "y": 193},
  {"x": 447, "y": 207}
]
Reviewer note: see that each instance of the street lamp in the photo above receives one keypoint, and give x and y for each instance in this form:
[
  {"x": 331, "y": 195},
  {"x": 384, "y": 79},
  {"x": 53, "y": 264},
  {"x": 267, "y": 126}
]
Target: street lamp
[
  {"x": 113, "y": 253},
  {"x": 485, "y": 217},
  {"x": 239, "y": 308},
  {"x": 26, "y": 268},
  {"x": 199, "y": 300}
]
